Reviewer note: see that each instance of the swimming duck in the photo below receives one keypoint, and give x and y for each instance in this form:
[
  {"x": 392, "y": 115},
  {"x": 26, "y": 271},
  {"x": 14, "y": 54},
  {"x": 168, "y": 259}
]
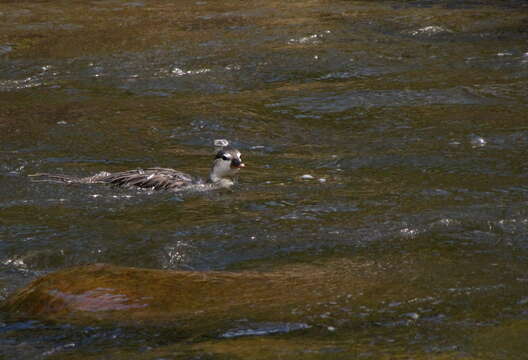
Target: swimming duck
[{"x": 227, "y": 163}]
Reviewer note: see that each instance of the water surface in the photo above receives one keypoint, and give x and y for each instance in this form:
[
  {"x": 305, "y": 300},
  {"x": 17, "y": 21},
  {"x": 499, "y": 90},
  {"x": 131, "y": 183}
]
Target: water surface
[{"x": 409, "y": 115}]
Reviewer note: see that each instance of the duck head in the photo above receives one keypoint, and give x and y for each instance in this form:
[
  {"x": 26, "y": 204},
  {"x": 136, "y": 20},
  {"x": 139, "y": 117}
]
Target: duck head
[{"x": 226, "y": 165}]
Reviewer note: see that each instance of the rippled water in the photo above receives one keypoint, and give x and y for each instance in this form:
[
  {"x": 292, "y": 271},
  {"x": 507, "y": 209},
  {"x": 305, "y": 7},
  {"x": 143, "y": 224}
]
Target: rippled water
[{"x": 409, "y": 117}]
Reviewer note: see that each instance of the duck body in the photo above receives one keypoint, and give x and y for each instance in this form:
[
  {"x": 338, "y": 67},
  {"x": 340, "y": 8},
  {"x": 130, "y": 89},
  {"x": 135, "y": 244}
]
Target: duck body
[
  {"x": 151, "y": 178},
  {"x": 226, "y": 165}
]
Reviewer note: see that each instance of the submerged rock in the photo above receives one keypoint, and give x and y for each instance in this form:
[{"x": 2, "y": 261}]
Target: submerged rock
[
  {"x": 191, "y": 299},
  {"x": 194, "y": 300},
  {"x": 105, "y": 292},
  {"x": 330, "y": 296}
]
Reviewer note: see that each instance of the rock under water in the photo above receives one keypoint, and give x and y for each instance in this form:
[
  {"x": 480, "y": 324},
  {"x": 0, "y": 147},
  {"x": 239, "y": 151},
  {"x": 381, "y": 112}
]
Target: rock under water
[{"x": 125, "y": 295}]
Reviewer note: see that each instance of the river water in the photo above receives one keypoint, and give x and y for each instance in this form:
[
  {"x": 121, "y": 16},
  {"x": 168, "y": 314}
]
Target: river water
[{"x": 409, "y": 116}]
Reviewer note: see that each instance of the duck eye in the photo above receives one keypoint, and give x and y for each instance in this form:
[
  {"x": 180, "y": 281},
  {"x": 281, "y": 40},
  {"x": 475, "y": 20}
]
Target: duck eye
[{"x": 224, "y": 157}]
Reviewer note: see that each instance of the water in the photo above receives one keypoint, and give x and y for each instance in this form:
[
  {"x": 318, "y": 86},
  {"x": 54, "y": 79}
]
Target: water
[{"x": 409, "y": 117}]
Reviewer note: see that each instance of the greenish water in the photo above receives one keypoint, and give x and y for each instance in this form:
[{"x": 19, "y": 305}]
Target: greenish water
[{"x": 409, "y": 115}]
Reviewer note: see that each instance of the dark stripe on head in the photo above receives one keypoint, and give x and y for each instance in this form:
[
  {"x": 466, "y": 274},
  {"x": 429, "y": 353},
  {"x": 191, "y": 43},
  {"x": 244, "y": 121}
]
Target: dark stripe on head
[
  {"x": 219, "y": 154},
  {"x": 230, "y": 152}
]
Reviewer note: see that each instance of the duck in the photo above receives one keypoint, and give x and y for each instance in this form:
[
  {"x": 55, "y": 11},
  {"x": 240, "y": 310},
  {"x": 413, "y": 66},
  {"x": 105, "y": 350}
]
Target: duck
[{"x": 226, "y": 164}]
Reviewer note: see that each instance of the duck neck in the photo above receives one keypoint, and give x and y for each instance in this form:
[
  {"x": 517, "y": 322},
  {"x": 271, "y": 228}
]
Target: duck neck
[
  {"x": 213, "y": 178},
  {"x": 220, "y": 182}
]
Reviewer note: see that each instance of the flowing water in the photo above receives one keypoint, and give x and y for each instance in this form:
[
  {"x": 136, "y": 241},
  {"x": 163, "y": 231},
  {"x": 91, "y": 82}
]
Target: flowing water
[{"x": 409, "y": 116}]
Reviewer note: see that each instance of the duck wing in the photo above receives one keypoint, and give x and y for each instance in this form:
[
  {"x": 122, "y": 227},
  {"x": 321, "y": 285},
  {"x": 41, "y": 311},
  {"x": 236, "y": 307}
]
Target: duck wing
[{"x": 152, "y": 178}]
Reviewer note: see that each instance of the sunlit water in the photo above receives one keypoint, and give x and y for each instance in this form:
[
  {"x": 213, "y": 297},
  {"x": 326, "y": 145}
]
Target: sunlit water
[{"x": 391, "y": 133}]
